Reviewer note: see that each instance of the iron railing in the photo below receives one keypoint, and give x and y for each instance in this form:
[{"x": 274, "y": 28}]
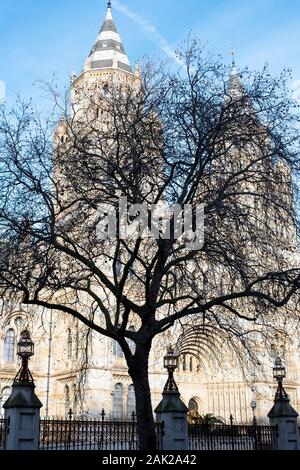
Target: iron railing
[
  {"x": 3, "y": 432},
  {"x": 62, "y": 434},
  {"x": 232, "y": 437}
]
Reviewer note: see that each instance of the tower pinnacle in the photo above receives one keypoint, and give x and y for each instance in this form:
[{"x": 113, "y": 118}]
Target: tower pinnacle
[
  {"x": 234, "y": 87},
  {"x": 233, "y": 67},
  {"x": 233, "y": 52},
  {"x": 108, "y": 50}
]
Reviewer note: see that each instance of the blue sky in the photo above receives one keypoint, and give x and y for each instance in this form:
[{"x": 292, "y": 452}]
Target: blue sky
[{"x": 39, "y": 38}]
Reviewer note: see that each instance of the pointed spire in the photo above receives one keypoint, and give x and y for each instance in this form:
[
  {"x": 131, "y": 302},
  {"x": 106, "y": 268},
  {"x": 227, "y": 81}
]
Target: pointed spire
[
  {"x": 109, "y": 11},
  {"x": 235, "y": 88},
  {"x": 234, "y": 70},
  {"x": 108, "y": 50}
]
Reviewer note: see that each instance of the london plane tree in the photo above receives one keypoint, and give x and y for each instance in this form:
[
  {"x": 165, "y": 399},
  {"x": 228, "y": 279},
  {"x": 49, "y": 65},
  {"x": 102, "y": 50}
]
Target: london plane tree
[{"x": 199, "y": 136}]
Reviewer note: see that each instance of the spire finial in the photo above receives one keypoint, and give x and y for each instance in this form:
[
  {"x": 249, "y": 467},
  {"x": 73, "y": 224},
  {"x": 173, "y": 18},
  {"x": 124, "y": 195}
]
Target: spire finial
[
  {"x": 234, "y": 70},
  {"x": 109, "y": 4},
  {"x": 233, "y": 52}
]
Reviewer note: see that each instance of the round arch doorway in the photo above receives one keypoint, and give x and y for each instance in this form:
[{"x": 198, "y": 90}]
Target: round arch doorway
[{"x": 194, "y": 410}]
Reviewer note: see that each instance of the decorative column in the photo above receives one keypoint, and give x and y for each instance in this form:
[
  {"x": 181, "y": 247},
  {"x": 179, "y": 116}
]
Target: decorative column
[
  {"x": 172, "y": 411},
  {"x": 283, "y": 414},
  {"x": 23, "y": 406}
]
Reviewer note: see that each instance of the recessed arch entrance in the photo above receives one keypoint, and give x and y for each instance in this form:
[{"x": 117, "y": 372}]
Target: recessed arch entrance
[{"x": 194, "y": 410}]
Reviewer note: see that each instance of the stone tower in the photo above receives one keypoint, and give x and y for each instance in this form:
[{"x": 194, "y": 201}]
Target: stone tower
[{"x": 106, "y": 65}]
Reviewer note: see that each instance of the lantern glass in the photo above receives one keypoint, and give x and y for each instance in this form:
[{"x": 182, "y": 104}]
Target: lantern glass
[
  {"x": 25, "y": 348},
  {"x": 278, "y": 370},
  {"x": 170, "y": 359}
]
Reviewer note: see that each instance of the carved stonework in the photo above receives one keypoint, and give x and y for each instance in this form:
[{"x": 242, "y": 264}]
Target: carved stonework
[
  {"x": 67, "y": 380},
  {"x": 122, "y": 378}
]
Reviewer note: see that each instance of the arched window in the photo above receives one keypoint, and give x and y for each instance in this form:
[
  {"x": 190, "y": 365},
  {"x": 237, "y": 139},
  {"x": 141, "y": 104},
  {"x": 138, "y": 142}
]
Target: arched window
[
  {"x": 76, "y": 342},
  {"x": 69, "y": 344},
  {"x": 9, "y": 346},
  {"x": 74, "y": 397},
  {"x": 130, "y": 402},
  {"x": 193, "y": 414},
  {"x": 117, "y": 350},
  {"x": 106, "y": 89},
  {"x": 130, "y": 342},
  {"x": 193, "y": 405},
  {"x": 5, "y": 394},
  {"x": 118, "y": 402},
  {"x": 19, "y": 323},
  {"x": 67, "y": 400},
  {"x": 184, "y": 362},
  {"x": 191, "y": 364}
]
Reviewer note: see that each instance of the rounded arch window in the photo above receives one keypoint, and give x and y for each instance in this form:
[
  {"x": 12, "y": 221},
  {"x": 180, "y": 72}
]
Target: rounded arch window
[
  {"x": 67, "y": 399},
  {"x": 5, "y": 394},
  {"x": 193, "y": 405},
  {"x": 69, "y": 344},
  {"x": 9, "y": 346},
  {"x": 117, "y": 350},
  {"x": 105, "y": 89},
  {"x": 76, "y": 341},
  {"x": 193, "y": 414},
  {"x": 19, "y": 322},
  {"x": 131, "y": 406},
  {"x": 118, "y": 402},
  {"x": 184, "y": 362},
  {"x": 74, "y": 396}
]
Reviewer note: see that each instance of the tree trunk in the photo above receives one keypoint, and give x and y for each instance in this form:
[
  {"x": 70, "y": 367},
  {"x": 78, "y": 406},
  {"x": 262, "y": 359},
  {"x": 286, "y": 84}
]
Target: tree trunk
[{"x": 138, "y": 371}]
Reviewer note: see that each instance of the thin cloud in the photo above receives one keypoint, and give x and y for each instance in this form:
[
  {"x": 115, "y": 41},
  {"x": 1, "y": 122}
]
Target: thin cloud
[{"x": 149, "y": 30}]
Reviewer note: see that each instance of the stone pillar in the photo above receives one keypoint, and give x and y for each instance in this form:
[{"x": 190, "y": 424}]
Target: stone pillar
[
  {"x": 23, "y": 411},
  {"x": 285, "y": 417},
  {"x": 173, "y": 413}
]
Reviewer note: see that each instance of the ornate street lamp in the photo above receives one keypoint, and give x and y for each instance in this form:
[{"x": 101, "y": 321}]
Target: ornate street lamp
[
  {"x": 171, "y": 363},
  {"x": 253, "y": 407},
  {"x": 25, "y": 349},
  {"x": 279, "y": 375}
]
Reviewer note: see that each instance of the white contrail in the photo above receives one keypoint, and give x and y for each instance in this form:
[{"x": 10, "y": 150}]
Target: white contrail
[
  {"x": 149, "y": 29},
  {"x": 2, "y": 91},
  {"x": 296, "y": 90}
]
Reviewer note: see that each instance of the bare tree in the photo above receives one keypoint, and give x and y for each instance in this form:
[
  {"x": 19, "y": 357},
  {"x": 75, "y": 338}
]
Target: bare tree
[{"x": 198, "y": 135}]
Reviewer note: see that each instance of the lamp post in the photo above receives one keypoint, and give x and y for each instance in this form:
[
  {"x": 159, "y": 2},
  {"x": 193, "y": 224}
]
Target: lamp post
[
  {"x": 171, "y": 410},
  {"x": 171, "y": 363},
  {"x": 22, "y": 408},
  {"x": 282, "y": 414},
  {"x": 25, "y": 349},
  {"x": 253, "y": 407},
  {"x": 279, "y": 374}
]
